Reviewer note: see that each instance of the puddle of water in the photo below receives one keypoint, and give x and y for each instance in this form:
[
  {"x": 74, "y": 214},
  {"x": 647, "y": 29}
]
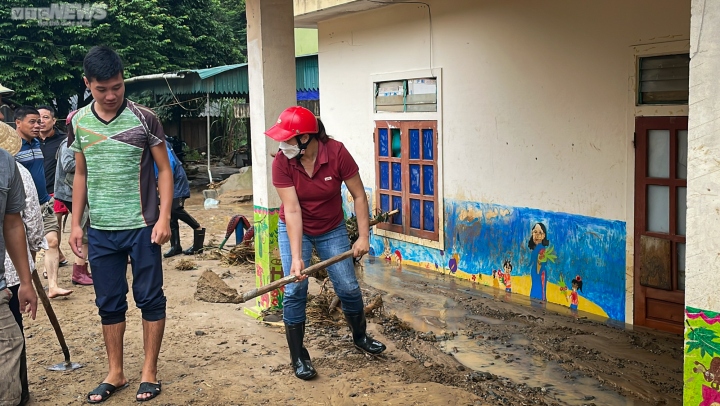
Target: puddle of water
[
  {"x": 509, "y": 360},
  {"x": 426, "y": 312}
]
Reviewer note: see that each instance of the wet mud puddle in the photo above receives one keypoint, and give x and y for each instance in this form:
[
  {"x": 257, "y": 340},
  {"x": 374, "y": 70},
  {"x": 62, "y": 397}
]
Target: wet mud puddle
[{"x": 490, "y": 357}]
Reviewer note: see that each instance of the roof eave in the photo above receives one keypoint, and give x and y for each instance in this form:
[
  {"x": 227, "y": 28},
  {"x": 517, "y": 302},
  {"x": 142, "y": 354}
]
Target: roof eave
[{"x": 309, "y": 15}]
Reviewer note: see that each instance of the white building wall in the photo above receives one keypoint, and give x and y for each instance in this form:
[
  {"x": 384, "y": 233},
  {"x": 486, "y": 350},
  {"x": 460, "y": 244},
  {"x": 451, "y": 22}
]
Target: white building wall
[
  {"x": 703, "y": 216},
  {"x": 535, "y": 93},
  {"x": 538, "y": 98}
]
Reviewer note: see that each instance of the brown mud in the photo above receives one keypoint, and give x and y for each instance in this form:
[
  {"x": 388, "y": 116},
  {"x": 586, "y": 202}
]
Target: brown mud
[{"x": 448, "y": 343}]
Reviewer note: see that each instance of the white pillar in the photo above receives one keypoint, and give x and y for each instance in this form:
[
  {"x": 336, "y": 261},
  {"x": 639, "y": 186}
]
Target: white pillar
[
  {"x": 702, "y": 286},
  {"x": 271, "y": 75}
]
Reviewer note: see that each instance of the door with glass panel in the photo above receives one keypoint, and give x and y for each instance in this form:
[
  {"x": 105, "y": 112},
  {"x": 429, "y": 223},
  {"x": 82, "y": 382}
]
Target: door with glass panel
[{"x": 660, "y": 212}]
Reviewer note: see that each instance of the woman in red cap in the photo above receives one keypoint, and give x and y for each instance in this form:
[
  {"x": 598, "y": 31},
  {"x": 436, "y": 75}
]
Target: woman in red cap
[{"x": 308, "y": 174}]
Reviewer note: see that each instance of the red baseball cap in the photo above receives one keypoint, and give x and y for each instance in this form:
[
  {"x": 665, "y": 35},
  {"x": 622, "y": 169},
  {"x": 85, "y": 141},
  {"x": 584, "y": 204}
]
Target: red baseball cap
[{"x": 292, "y": 122}]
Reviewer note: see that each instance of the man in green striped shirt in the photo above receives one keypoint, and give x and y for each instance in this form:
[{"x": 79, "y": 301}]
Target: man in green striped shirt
[{"x": 116, "y": 142}]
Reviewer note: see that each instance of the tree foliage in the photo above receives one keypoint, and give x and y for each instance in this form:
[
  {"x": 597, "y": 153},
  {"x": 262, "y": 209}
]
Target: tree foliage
[{"x": 44, "y": 63}]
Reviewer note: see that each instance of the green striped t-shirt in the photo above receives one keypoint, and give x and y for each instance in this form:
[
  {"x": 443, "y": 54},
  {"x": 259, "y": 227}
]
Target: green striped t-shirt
[{"x": 120, "y": 174}]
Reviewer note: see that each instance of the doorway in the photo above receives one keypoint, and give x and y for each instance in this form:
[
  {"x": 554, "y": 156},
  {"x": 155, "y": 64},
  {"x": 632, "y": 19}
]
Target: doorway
[{"x": 660, "y": 216}]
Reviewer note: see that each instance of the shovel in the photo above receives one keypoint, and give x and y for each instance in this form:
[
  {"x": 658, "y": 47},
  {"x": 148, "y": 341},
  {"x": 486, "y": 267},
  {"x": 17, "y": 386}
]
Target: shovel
[
  {"x": 292, "y": 278},
  {"x": 63, "y": 366},
  {"x": 307, "y": 271}
]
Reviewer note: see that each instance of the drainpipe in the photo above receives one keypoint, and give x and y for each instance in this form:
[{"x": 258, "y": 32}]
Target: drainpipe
[{"x": 207, "y": 115}]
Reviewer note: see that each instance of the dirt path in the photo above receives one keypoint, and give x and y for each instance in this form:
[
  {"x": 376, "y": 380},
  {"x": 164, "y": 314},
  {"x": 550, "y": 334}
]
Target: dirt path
[{"x": 213, "y": 354}]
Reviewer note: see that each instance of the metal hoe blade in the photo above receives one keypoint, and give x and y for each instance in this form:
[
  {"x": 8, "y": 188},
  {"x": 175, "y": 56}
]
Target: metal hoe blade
[{"x": 65, "y": 366}]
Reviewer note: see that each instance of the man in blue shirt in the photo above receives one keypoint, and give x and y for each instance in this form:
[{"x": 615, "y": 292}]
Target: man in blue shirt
[{"x": 28, "y": 125}]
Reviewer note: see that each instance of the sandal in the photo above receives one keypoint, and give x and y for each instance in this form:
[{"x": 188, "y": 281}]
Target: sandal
[
  {"x": 148, "y": 387},
  {"x": 104, "y": 390},
  {"x": 63, "y": 262}
]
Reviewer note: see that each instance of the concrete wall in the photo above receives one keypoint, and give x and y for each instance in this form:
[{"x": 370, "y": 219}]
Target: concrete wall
[
  {"x": 702, "y": 334},
  {"x": 536, "y": 98}
]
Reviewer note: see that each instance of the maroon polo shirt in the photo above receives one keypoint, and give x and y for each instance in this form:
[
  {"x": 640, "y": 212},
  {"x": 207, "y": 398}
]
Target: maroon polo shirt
[{"x": 319, "y": 194}]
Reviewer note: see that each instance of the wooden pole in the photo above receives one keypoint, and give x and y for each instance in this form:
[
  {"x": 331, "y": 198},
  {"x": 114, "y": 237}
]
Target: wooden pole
[
  {"x": 51, "y": 315},
  {"x": 307, "y": 271}
]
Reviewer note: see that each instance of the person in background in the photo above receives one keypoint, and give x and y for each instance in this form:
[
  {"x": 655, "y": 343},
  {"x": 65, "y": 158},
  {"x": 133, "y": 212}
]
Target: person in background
[
  {"x": 181, "y": 192},
  {"x": 51, "y": 138},
  {"x": 27, "y": 121},
  {"x": 4, "y": 92},
  {"x": 13, "y": 239},
  {"x": 64, "y": 175}
]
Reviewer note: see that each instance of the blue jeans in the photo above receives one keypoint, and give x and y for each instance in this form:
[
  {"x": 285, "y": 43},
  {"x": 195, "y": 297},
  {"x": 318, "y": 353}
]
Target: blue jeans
[{"x": 342, "y": 274}]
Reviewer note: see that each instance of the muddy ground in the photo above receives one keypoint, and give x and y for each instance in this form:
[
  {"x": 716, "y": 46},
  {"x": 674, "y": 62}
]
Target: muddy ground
[{"x": 448, "y": 343}]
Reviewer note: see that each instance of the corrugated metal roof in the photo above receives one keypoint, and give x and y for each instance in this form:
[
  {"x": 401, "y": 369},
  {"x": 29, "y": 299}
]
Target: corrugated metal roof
[
  {"x": 206, "y": 73},
  {"x": 226, "y": 80}
]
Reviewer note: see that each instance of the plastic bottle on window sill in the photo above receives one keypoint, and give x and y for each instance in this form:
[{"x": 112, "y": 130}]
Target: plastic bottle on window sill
[{"x": 211, "y": 203}]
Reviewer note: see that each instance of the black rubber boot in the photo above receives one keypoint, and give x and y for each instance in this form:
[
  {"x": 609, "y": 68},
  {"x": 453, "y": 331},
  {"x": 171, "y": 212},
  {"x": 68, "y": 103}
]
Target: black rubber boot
[
  {"x": 175, "y": 247},
  {"x": 362, "y": 341},
  {"x": 198, "y": 242},
  {"x": 299, "y": 355}
]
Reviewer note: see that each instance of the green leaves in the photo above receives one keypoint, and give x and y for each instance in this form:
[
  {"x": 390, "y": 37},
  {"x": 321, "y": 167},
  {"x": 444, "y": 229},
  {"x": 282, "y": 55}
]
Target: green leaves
[
  {"x": 547, "y": 254},
  {"x": 42, "y": 63},
  {"x": 703, "y": 339}
]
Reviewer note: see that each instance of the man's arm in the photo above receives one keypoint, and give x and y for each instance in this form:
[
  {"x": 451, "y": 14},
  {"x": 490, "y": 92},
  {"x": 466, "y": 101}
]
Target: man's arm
[
  {"x": 16, "y": 244},
  {"x": 161, "y": 231},
  {"x": 79, "y": 197}
]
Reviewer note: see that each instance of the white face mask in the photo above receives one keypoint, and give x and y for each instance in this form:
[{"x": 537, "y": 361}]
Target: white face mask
[{"x": 290, "y": 151}]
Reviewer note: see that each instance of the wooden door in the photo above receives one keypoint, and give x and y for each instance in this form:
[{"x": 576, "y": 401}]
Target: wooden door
[{"x": 660, "y": 212}]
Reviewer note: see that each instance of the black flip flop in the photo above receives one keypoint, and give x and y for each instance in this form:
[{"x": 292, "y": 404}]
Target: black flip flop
[
  {"x": 153, "y": 389},
  {"x": 104, "y": 390}
]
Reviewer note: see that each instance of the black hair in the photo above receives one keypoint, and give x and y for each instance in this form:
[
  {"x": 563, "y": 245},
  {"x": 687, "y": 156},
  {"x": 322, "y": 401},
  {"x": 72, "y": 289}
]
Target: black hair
[
  {"x": 51, "y": 109},
  {"x": 102, "y": 63},
  {"x": 577, "y": 282},
  {"x": 545, "y": 241},
  {"x": 508, "y": 263},
  {"x": 24, "y": 111},
  {"x": 321, "y": 135}
]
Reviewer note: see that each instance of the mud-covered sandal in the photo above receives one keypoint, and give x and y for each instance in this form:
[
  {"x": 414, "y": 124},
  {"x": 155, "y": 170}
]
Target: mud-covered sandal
[
  {"x": 104, "y": 390},
  {"x": 153, "y": 389}
]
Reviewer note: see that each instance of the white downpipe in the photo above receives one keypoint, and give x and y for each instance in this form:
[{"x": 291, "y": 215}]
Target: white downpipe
[{"x": 207, "y": 115}]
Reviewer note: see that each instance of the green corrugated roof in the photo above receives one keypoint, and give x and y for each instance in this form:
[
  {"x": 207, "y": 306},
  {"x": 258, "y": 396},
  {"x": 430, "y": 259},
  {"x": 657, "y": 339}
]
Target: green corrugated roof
[
  {"x": 226, "y": 80},
  {"x": 206, "y": 73}
]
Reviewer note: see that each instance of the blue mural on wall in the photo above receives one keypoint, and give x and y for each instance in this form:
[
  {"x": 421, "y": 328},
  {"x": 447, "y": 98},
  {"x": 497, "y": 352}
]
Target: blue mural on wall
[{"x": 546, "y": 251}]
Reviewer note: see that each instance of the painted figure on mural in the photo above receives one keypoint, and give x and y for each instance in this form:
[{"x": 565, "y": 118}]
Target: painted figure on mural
[
  {"x": 504, "y": 275},
  {"x": 538, "y": 267},
  {"x": 387, "y": 253},
  {"x": 397, "y": 257},
  {"x": 573, "y": 296}
]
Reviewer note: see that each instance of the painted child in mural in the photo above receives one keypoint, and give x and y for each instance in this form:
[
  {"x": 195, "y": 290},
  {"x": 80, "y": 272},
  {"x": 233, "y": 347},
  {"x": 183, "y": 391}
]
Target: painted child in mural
[
  {"x": 538, "y": 267},
  {"x": 573, "y": 296},
  {"x": 504, "y": 275}
]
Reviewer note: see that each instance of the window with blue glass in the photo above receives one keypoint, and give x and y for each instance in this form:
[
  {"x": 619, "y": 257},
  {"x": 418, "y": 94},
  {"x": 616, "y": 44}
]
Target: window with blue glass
[{"x": 406, "y": 169}]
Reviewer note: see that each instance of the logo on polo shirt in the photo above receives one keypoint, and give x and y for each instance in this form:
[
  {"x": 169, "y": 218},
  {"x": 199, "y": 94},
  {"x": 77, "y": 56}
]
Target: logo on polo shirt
[{"x": 328, "y": 178}]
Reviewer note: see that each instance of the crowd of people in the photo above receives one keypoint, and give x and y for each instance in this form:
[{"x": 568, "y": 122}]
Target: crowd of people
[{"x": 125, "y": 190}]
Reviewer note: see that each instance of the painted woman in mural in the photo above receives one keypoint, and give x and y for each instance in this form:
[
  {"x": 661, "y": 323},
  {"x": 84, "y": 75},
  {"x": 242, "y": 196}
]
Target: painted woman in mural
[
  {"x": 538, "y": 266},
  {"x": 308, "y": 176}
]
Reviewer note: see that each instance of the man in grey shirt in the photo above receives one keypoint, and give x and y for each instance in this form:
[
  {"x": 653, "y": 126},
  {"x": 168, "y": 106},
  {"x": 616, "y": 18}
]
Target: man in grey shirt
[{"x": 12, "y": 238}]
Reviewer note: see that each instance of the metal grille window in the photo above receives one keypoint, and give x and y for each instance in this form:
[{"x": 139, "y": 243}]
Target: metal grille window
[
  {"x": 407, "y": 172},
  {"x": 664, "y": 79}
]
